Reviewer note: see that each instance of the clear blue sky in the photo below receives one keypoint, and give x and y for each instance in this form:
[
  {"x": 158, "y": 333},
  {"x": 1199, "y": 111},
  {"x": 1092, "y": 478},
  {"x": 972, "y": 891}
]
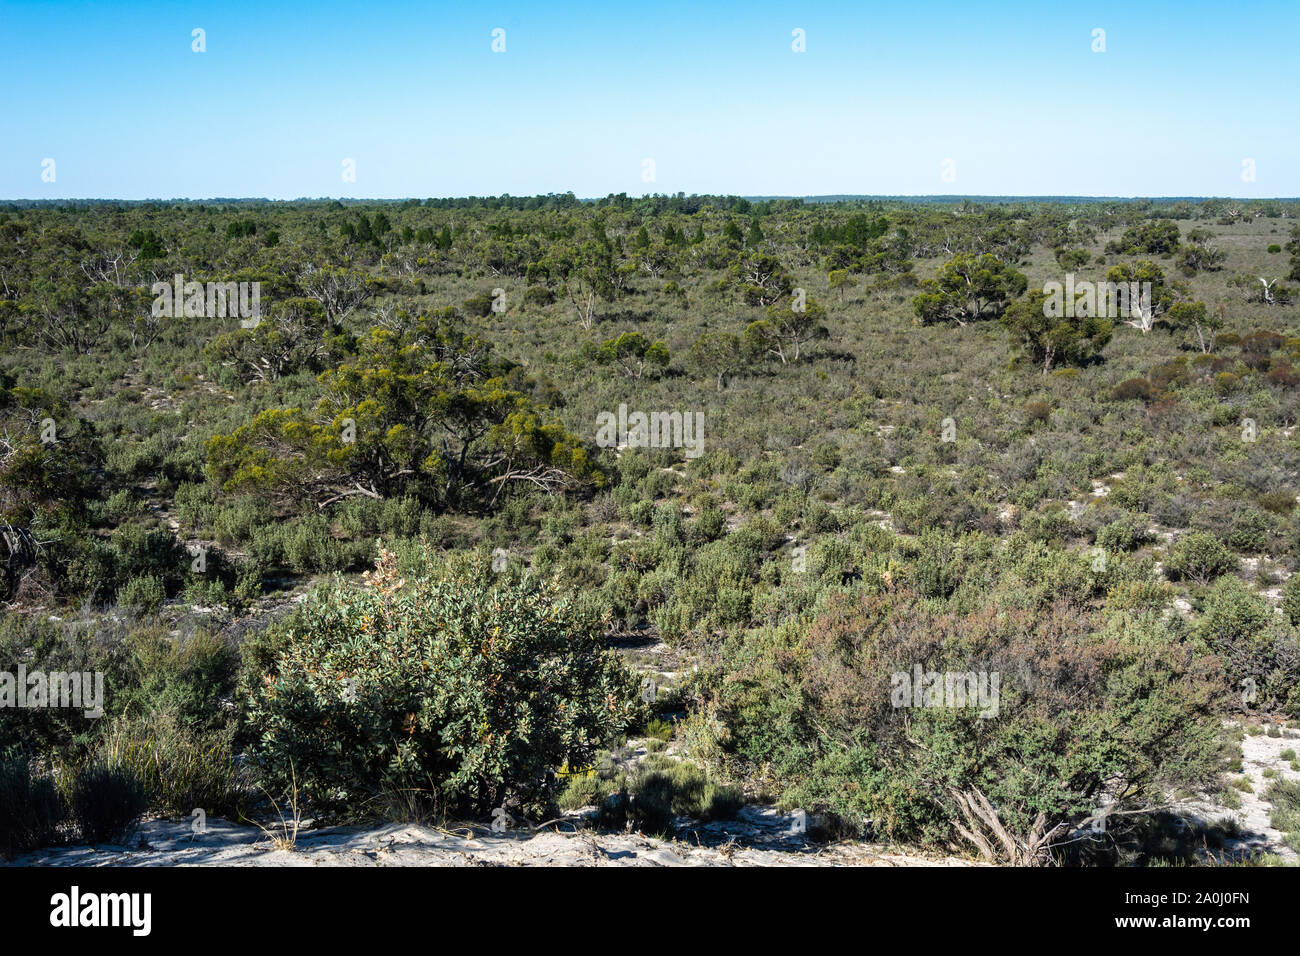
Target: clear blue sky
[{"x": 712, "y": 92}]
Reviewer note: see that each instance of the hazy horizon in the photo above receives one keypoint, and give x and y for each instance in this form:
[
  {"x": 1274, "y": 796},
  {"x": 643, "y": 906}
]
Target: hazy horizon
[{"x": 753, "y": 197}]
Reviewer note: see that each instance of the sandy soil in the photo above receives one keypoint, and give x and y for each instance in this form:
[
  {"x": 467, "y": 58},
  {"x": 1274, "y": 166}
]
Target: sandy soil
[
  {"x": 1259, "y": 753},
  {"x": 758, "y": 837}
]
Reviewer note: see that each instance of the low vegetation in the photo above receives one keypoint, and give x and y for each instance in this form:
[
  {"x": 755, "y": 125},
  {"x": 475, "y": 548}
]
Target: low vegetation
[{"x": 370, "y": 551}]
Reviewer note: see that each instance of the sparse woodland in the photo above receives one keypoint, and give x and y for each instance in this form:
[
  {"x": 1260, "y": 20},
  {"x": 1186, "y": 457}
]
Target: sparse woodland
[{"x": 367, "y": 554}]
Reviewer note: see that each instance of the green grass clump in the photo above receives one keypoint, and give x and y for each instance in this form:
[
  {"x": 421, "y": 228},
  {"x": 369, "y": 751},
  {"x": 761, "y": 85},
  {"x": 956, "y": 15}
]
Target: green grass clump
[
  {"x": 659, "y": 730},
  {"x": 1284, "y": 795},
  {"x": 663, "y": 788},
  {"x": 180, "y": 769},
  {"x": 585, "y": 790},
  {"x": 31, "y": 809},
  {"x": 106, "y": 802}
]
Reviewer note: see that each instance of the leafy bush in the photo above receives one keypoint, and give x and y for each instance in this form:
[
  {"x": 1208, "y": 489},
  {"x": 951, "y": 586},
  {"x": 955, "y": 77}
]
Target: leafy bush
[
  {"x": 1200, "y": 557},
  {"x": 1284, "y": 815},
  {"x": 1291, "y": 599},
  {"x": 184, "y": 677},
  {"x": 1132, "y": 388},
  {"x": 467, "y": 683},
  {"x": 1124, "y": 534},
  {"x": 144, "y": 593},
  {"x": 1240, "y": 627},
  {"x": 1076, "y": 714},
  {"x": 659, "y": 729},
  {"x": 588, "y": 789}
]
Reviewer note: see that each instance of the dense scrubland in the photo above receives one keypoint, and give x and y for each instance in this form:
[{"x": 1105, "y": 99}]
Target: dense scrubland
[{"x": 368, "y": 558}]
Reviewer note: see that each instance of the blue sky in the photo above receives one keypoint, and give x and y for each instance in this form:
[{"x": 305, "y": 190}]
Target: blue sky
[{"x": 584, "y": 93}]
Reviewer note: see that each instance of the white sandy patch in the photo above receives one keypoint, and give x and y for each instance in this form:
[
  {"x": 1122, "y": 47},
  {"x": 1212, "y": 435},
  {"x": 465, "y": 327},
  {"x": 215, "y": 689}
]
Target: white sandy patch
[{"x": 759, "y": 837}]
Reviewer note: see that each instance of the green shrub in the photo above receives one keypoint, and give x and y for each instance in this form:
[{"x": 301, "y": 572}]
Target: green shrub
[
  {"x": 1284, "y": 815},
  {"x": 1239, "y": 626},
  {"x": 469, "y": 683},
  {"x": 1081, "y": 703},
  {"x": 479, "y": 304},
  {"x": 1291, "y": 599},
  {"x": 1249, "y": 530},
  {"x": 185, "y": 677},
  {"x": 537, "y": 295},
  {"x": 1200, "y": 557},
  {"x": 659, "y": 729},
  {"x": 1132, "y": 388},
  {"x": 710, "y": 525},
  {"x": 144, "y": 593},
  {"x": 1124, "y": 534},
  {"x": 585, "y": 790},
  {"x": 938, "y": 567}
]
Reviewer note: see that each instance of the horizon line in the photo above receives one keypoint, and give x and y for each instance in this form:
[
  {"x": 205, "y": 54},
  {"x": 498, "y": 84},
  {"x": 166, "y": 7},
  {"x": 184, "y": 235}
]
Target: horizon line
[{"x": 759, "y": 197}]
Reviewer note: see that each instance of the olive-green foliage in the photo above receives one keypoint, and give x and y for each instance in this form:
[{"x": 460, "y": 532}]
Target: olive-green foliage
[
  {"x": 585, "y": 790},
  {"x": 144, "y": 593},
  {"x": 468, "y": 684},
  {"x": 1124, "y": 534},
  {"x": 1284, "y": 815},
  {"x": 659, "y": 729},
  {"x": 1239, "y": 626},
  {"x": 826, "y": 476},
  {"x": 183, "y": 676},
  {"x": 144, "y": 669},
  {"x": 1291, "y": 599},
  {"x": 817, "y": 705},
  {"x": 1200, "y": 557},
  {"x": 1050, "y": 337},
  {"x": 663, "y": 788}
]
